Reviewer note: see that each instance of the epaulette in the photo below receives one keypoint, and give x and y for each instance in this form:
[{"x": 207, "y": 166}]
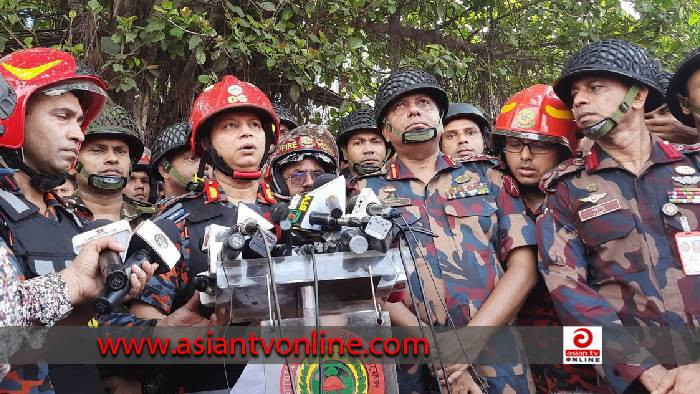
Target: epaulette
[
  {"x": 266, "y": 195},
  {"x": 478, "y": 157},
  {"x": 168, "y": 202},
  {"x": 569, "y": 166},
  {"x": 687, "y": 149}
]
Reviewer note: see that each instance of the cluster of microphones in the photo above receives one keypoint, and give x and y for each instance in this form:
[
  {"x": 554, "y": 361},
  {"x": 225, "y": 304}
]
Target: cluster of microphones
[{"x": 152, "y": 240}]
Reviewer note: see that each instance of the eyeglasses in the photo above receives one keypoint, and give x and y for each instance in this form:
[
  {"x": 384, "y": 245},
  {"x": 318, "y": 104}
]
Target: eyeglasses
[
  {"x": 536, "y": 147},
  {"x": 299, "y": 177}
]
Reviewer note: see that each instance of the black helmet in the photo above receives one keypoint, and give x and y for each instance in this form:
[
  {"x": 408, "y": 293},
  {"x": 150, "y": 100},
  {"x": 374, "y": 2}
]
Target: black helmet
[
  {"x": 678, "y": 87},
  {"x": 615, "y": 57},
  {"x": 114, "y": 121},
  {"x": 469, "y": 111},
  {"x": 285, "y": 116},
  {"x": 361, "y": 119},
  {"x": 407, "y": 81},
  {"x": 173, "y": 138}
]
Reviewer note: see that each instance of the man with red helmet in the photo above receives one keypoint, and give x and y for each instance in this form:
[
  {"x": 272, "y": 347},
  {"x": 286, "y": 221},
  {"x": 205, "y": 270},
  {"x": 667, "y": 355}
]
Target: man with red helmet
[
  {"x": 233, "y": 125},
  {"x": 534, "y": 132},
  {"x": 139, "y": 185},
  {"x": 45, "y": 106}
]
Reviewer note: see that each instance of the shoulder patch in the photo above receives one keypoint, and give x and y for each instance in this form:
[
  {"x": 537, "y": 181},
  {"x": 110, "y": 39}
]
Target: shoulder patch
[
  {"x": 688, "y": 149},
  {"x": 566, "y": 167},
  {"x": 511, "y": 186}
]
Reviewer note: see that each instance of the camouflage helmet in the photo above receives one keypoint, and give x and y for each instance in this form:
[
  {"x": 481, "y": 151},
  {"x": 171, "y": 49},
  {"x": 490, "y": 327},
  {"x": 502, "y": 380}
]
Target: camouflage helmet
[
  {"x": 616, "y": 57},
  {"x": 407, "y": 81},
  {"x": 115, "y": 122},
  {"x": 173, "y": 138},
  {"x": 285, "y": 116},
  {"x": 307, "y": 141}
]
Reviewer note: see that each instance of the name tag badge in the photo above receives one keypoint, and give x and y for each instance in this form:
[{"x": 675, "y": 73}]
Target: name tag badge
[
  {"x": 599, "y": 210},
  {"x": 688, "y": 244}
]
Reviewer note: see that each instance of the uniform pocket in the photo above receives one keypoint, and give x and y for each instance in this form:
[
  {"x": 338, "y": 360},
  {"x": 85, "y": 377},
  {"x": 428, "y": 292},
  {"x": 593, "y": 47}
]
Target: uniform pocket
[
  {"x": 616, "y": 244},
  {"x": 471, "y": 220}
]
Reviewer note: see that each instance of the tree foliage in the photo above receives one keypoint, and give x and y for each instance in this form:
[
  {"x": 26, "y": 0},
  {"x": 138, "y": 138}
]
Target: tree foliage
[{"x": 325, "y": 57}]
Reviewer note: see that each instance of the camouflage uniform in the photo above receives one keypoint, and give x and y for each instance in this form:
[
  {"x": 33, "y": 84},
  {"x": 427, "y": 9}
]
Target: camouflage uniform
[
  {"x": 471, "y": 208},
  {"x": 133, "y": 211},
  {"x": 607, "y": 250}
]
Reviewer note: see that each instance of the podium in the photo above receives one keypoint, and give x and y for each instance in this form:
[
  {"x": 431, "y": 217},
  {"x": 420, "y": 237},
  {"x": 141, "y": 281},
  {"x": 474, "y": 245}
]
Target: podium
[{"x": 348, "y": 287}]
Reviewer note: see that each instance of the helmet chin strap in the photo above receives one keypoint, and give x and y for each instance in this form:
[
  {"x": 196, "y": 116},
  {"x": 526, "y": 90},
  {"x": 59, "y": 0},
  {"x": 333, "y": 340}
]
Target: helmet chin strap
[
  {"x": 43, "y": 182},
  {"x": 603, "y": 127},
  {"x": 219, "y": 164},
  {"x": 100, "y": 182},
  {"x": 417, "y": 135},
  {"x": 360, "y": 169}
]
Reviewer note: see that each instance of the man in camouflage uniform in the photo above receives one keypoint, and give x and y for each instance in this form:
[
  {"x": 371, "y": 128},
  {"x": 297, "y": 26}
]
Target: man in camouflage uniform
[
  {"x": 233, "y": 125},
  {"x": 467, "y": 131},
  {"x": 173, "y": 162},
  {"x": 47, "y": 103},
  {"x": 479, "y": 224},
  {"x": 608, "y": 239},
  {"x": 361, "y": 143},
  {"x": 111, "y": 148}
]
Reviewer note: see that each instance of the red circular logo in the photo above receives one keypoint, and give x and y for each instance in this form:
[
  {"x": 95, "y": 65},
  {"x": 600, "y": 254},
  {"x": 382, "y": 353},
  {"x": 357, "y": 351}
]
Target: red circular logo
[{"x": 583, "y": 337}]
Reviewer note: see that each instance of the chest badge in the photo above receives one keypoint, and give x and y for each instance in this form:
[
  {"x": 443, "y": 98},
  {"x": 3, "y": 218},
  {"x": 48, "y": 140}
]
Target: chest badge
[
  {"x": 684, "y": 170},
  {"x": 599, "y": 210},
  {"x": 687, "y": 179},
  {"x": 593, "y": 198}
]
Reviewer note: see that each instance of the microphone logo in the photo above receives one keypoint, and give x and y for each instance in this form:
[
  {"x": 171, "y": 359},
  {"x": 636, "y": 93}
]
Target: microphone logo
[{"x": 160, "y": 240}]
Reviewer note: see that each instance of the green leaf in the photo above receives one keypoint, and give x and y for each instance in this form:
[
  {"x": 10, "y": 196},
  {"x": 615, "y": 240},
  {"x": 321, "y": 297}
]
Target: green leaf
[
  {"x": 200, "y": 56},
  {"x": 203, "y": 78},
  {"x": 108, "y": 45},
  {"x": 309, "y": 7},
  {"x": 355, "y": 42},
  {"x": 71, "y": 14},
  {"x": 270, "y": 62},
  {"x": 287, "y": 14},
  {"x": 127, "y": 84},
  {"x": 177, "y": 32},
  {"x": 95, "y": 6},
  {"x": 3, "y": 41},
  {"x": 117, "y": 67},
  {"x": 440, "y": 11},
  {"x": 694, "y": 18},
  {"x": 167, "y": 5},
  {"x": 194, "y": 42},
  {"x": 28, "y": 41},
  {"x": 268, "y": 6},
  {"x": 294, "y": 93},
  {"x": 155, "y": 26},
  {"x": 235, "y": 9}
]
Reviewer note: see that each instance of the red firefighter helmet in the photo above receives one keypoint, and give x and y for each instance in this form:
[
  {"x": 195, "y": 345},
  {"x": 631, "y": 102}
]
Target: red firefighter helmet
[
  {"x": 536, "y": 113},
  {"x": 230, "y": 93},
  {"x": 25, "y": 72}
]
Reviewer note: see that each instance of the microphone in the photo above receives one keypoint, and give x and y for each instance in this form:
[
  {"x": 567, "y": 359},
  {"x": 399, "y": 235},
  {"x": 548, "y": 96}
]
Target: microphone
[
  {"x": 352, "y": 240},
  {"x": 332, "y": 201},
  {"x": 279, "y": 212},
  {"x": 110, "y": 262},
  {"x": 377, "y": 209},
  {"x": 153, "y": 241},
  {"x": 325, "y": 219}
]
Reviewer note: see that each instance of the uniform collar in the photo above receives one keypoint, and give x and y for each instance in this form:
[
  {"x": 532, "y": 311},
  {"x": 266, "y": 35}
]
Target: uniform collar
[
  {"x": 396, "y": 169},
  {"x": 661, "y": 152},
  {"x": 130, "y": 210}
]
